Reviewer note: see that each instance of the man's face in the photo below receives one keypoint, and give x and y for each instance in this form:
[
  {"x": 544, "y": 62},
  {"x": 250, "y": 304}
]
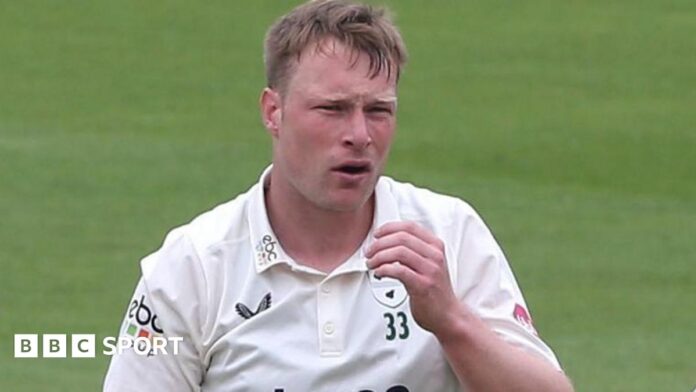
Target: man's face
[{"x": 333, "y": 128}]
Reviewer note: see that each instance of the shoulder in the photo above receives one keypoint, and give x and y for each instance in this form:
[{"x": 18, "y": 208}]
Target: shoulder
[
  {"x": 223, "y": 223},
  {"x": 424, "y": 205},
  {"x": 453, "y": 220},
  {"x": 185, "y": 249}
]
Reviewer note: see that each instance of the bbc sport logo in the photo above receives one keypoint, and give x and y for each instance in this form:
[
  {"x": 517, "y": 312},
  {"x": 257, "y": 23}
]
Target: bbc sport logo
[{"x": 85, "y": 345}]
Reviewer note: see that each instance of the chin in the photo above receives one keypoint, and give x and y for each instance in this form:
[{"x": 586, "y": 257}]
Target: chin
[{"x": 347, "y": 204}]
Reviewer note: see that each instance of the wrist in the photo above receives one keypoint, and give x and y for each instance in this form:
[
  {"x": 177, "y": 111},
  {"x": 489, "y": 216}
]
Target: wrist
[{"x": 459, "y": 326}]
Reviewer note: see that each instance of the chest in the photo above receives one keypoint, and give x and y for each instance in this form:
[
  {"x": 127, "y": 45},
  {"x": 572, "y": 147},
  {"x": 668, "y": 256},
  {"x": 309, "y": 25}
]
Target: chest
[{"x": 287, "y": 332}]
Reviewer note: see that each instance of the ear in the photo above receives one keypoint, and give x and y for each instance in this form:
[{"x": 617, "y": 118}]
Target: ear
[{"x": 270, "y": 110}]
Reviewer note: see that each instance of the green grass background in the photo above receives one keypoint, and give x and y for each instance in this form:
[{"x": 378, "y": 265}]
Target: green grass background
[{"x": 569, "y": 125}]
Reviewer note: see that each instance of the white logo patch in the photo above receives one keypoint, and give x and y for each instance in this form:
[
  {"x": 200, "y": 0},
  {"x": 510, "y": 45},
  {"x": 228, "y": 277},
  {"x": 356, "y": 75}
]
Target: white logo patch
[{"x": 387, "y": 291}]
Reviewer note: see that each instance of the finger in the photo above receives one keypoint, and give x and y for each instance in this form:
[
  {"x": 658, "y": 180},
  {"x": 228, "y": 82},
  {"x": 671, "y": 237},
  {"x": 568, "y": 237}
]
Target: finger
[
  {"x": 403, "y": 238},
  {"x": 401, "y": 254},
  {"x": 409, "y": 227},
  {"x": 400, "y": 272}
]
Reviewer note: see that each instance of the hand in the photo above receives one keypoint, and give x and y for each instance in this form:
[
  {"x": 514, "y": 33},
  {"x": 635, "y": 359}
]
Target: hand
[{"x": 410, "y": 253}]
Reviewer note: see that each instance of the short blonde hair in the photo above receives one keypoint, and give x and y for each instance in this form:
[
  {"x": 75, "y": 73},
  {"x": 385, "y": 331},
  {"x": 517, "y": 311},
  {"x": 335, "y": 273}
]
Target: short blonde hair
[{"x": 360, "y": 27}]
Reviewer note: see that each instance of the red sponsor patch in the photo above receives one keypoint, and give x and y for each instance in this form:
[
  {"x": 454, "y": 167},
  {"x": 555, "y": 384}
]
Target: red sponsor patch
[{"x": 522, "y": 317}]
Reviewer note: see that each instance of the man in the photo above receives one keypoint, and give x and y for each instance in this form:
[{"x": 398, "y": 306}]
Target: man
[{"x": 327, "y": 276}]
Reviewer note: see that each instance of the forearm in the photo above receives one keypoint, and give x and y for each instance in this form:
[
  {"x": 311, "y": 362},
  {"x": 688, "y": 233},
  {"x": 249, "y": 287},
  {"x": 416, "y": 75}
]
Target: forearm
[{"x": 484, "y": 362}]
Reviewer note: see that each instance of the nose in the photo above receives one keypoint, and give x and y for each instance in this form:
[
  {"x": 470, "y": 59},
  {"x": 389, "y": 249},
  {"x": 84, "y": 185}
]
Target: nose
[{"x": 358, "y": 134}]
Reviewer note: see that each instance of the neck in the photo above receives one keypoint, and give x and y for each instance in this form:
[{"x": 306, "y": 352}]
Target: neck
[{"x": 316, "y": 237}]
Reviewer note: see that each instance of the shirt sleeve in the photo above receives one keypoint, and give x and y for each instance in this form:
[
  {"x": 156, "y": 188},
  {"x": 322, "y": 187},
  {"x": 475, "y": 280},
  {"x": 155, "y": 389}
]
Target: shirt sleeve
[
  {"x": 166, "y": 310},
  {"x": 485, "y": 282}
]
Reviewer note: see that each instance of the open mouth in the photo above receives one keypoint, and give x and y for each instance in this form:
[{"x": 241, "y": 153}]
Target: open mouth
[{"x": 353, "y": 169}]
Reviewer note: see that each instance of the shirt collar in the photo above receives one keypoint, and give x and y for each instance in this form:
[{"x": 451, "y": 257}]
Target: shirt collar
[{"x": 267, "y": 249}]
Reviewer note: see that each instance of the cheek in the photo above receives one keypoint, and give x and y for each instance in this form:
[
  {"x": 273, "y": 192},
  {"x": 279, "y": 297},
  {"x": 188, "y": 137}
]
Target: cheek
[
  {"x": 316, "y": 133},
  {"x": 304, "y": 140},
  {"x": 383, "y": 133}
]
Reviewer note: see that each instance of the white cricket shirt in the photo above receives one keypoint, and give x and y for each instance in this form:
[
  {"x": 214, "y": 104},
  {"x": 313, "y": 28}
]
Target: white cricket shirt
[{"x": 252, "y": 319}]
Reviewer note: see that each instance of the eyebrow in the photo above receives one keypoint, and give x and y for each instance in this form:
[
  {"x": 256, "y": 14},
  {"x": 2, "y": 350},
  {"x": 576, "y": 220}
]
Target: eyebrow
[
  {"x": 386, "y": 100},
  {"x": 339, "y": 99}
]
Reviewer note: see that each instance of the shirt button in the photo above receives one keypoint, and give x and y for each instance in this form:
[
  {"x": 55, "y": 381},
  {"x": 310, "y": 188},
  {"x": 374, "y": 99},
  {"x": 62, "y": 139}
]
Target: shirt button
[
  {"x": 329, "y": 328},
  {"x": 325, "y": 289}
]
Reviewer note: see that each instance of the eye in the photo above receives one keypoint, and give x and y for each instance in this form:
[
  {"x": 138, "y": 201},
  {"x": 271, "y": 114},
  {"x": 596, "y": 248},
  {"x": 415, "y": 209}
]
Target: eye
[
  {"x": 329, "y": 108},
  {"x": 379, "y": 110}
]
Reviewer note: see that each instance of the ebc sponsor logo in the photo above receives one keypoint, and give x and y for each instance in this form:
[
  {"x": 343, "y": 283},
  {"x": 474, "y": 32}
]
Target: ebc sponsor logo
[
  {"x": 141, "y": 327},
  {"x": 143, "y": 315},
  {"x": 265, "y": 250}
]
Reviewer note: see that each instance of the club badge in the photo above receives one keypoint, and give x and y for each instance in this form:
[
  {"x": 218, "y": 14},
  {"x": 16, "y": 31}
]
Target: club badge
[{"x": 387, "y": 291}]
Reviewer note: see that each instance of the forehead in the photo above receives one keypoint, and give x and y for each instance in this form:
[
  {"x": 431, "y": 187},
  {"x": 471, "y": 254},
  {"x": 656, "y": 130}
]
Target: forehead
[{"x": 332, "y": 70}]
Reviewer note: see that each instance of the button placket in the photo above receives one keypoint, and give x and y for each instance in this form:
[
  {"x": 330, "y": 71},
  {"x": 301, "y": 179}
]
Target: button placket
[
  {"x": 329, "y": 328},
  {"x": 329, "y": 319}
]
